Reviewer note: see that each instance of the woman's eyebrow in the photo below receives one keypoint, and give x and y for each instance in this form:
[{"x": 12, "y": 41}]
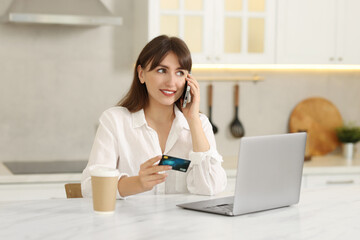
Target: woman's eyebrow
[{"x": 164, "y": 66}]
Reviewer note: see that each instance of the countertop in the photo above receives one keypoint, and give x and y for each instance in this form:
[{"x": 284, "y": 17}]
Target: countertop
[
  {"x": 321, "y": 214},
  {"x": 328, "y": 164},
  {"x": 332, "y": 164}
]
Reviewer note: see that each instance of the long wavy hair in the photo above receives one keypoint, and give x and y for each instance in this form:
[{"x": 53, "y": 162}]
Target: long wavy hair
[{"x": 153, "y": 53}]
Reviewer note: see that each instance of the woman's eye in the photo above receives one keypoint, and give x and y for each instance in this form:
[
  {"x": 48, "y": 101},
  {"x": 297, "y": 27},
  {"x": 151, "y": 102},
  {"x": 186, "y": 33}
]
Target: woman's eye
[
  {"x": 180, "y": 73},
  {"x": 161, "y": 70}
]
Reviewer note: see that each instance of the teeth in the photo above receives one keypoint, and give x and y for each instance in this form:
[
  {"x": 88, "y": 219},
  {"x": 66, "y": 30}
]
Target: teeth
[{"x": 168, "y": 92}]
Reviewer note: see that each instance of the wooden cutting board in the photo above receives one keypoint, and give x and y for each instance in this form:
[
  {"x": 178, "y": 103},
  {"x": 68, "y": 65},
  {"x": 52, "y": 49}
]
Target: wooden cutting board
[{"x": 319, "y": 117}]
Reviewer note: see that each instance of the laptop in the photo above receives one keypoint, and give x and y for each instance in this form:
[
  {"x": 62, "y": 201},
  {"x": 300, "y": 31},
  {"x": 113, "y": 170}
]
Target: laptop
[{"x": 269, "y": 176}]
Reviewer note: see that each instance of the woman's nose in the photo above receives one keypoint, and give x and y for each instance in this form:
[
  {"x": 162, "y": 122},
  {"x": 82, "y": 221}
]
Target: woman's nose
[{"x": 171, "y": 78}]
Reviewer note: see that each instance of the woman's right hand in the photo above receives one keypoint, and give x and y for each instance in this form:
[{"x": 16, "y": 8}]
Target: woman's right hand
[{"x": 149, "y": 175}]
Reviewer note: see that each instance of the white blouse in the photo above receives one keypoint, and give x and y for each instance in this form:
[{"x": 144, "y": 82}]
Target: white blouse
[{"x": 124, "y": 141}]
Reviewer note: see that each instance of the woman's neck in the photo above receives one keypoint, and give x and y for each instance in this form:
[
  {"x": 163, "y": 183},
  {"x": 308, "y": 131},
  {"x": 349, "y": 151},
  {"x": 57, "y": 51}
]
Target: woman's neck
[{"x": 159, "y": 114}]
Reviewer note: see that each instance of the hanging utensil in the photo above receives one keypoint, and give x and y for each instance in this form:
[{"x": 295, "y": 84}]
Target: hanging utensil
[
  {"x": 215, "y": 129},
  {"x": 236, "y": 128}
]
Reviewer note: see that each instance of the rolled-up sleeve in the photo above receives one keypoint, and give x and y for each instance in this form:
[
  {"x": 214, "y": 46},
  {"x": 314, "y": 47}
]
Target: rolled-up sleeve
[
  {"x": 104, "y": 153},
  {"x": 206, "y": 175}
]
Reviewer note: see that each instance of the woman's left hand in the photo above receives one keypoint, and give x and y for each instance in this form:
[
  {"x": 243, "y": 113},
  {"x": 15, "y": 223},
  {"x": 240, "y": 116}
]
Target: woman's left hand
[{"x": 191, "y": 111}]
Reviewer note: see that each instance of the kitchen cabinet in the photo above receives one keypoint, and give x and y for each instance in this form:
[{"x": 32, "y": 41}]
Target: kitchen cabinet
[
  {"x": 331, "y": 171},
  {"x": 216, "y": 31},
  {"x": 348, "y": 34},
  {"x": 318, "y": 32},
  {"x": 330, "y": 180}
]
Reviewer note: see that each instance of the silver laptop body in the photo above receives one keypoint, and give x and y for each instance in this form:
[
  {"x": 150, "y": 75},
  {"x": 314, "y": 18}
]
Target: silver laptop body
[{"x": 269, "y": 176}]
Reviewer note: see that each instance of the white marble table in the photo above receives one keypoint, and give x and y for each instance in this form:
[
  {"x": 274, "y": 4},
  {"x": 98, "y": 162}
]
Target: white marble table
[{"x": 322, "y": 214}]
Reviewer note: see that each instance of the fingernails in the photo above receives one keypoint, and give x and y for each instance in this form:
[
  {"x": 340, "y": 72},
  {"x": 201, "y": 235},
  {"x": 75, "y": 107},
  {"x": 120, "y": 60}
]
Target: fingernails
[{"x": 169, "y": 167}]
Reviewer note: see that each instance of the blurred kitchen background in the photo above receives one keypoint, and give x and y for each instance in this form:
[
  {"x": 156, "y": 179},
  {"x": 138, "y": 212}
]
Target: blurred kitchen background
[{"x": 56, "y": 79}]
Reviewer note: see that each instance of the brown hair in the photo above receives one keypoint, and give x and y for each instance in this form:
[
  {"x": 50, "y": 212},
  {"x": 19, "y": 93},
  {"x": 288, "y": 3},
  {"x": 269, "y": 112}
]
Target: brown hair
[{"x": 153, "y": 53}]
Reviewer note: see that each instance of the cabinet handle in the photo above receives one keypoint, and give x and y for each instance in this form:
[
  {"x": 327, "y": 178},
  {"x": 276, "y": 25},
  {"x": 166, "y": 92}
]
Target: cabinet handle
[
  {"x": 331, "y": 59},
  {"x": 208, "y": 58},
  {"x": 217, "y": 58},
  {"x": 340, "y": 59},
  {"x": 340, "y": 182}
]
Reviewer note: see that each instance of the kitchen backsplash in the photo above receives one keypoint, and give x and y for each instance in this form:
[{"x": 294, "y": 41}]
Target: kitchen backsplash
[{"x": 56, "y": 81}]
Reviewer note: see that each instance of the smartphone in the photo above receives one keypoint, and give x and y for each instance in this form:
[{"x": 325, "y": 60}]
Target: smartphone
[
  {"x": 177, "y": 164},
  {"x": 186, "y": 95}
]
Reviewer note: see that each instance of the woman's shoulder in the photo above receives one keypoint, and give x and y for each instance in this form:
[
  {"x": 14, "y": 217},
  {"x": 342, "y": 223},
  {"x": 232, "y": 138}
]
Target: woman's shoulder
[{"x": 116, "y": 112}]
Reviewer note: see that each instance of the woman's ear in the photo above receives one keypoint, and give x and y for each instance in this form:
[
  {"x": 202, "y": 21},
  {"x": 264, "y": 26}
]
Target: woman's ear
[{"x": 140, "y": 72}]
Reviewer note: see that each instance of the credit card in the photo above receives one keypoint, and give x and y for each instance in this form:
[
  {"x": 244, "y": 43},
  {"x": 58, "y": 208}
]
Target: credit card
[{"x": 177, "y": 164}]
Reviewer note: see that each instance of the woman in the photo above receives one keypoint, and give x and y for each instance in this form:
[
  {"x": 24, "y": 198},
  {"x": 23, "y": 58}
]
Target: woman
[{"x": 150, "y": 122}]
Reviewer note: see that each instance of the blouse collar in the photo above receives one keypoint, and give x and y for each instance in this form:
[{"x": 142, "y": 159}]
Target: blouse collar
[{"x": 138, "y": 118}]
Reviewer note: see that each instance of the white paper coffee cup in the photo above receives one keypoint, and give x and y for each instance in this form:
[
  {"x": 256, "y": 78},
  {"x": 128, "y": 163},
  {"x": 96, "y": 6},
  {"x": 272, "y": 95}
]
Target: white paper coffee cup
[{"x": 104, "y": 186}]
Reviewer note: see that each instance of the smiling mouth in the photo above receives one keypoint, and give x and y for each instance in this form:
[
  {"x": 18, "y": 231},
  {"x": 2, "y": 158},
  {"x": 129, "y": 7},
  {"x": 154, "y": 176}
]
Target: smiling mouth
[{"x": 168, "y": 92}]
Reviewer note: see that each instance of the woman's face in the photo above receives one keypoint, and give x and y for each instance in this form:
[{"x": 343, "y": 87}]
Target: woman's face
[{"x": 165, "y": 83}]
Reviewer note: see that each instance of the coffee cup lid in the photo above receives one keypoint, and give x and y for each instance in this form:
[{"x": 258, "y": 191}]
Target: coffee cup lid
[{"x": 104, "y": 172}]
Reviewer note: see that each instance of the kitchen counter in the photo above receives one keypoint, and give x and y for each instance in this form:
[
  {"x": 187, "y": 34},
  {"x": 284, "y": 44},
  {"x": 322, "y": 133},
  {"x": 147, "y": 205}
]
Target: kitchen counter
[
  {"x": 7, "y": 177},
  {"x": 328, "y": 164},
  {"x": 321, "y": 214}
]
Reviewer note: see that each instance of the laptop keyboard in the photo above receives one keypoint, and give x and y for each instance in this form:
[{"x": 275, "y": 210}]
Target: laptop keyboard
[{"x": 221, "y": 207}]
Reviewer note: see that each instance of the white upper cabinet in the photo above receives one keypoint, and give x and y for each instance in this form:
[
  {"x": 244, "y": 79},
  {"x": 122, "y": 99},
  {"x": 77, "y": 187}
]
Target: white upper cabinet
[
  {"x": 216, "y": 31},
  {"x": 348, "y": 34},
  {"x": 246, "y": 31},
  {"x": 188, "y": 19},
  {"x": 318, "y": 32}
]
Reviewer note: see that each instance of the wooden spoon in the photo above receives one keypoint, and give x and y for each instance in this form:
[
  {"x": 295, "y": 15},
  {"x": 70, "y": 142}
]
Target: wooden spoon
[
  {"x": 236, "y": 128},
  {"x": 215, "y": 129}
]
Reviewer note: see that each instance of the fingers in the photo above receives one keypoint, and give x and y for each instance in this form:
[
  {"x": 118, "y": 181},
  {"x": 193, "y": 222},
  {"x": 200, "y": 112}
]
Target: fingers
[
  {"x": 149, "y": 184},
  {"x": 155, "y": 177},
  {"x": 156, "y": 169},
  {"x": 194, "y": 86},
  {"x": 192, "y": 81},
  {"x": 149, "y": 175},
  {"x": 148, "y": 181},
  {"x": 150, "y": 162},
  {"x": 148, "y": 168}
]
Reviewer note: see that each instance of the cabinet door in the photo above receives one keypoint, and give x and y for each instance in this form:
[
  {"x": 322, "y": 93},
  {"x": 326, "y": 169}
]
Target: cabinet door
[
  {"x": 349, "y": 32},
  {"x": 321, "y": 181},
  {"x": 246, "y": 31},
  {"x": 306, "y": 31},
  {"x": 188, "y": 19}
]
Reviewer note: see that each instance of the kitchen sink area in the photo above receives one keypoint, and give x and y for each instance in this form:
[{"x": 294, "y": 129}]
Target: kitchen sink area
[
  {"x": 52, "y": 167},
  {"x": 21, "y": 181},
  {"x": 41, "y": 172}
]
